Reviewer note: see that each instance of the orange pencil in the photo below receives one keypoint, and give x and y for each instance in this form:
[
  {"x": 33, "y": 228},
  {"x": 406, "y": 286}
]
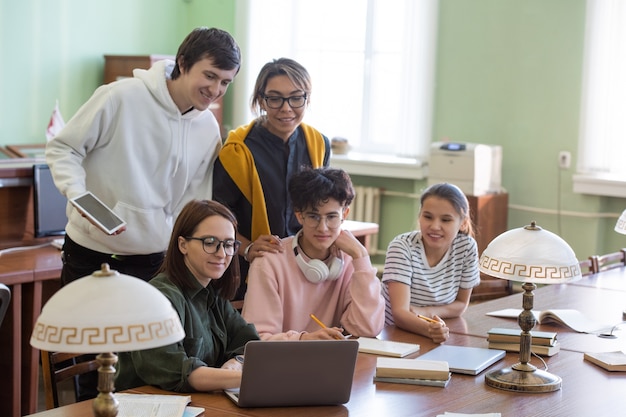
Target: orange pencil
[
  {"x": 319, "y": 322},
  {"x": 428, "y": 319}
]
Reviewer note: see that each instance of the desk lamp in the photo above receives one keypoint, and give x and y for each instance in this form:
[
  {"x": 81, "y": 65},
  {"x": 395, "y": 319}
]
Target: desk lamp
[
  {"x": 620, "y": 226},
  {"x": 530, "y": 255},
  {"x": 106, "y": 312}
]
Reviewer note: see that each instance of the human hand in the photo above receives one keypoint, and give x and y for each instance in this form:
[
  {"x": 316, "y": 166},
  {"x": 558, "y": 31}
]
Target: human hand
[
  {"x": 437, "y": 330},
  {"x": 327, "y": 333},
  {"x": 117, "y": 232},
  {"x": 264, "y": 244},
  {"x": 349, "y": 244}
]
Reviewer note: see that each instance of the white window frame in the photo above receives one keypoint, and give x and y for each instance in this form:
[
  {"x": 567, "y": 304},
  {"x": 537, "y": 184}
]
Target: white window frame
[
  {"x": 270, "y": 29},
  {"x": 601, "y": 168}
]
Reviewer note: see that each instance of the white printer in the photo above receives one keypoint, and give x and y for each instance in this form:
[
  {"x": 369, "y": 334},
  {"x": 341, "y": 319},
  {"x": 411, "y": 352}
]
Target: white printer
[{"x": 475, "y": 168}]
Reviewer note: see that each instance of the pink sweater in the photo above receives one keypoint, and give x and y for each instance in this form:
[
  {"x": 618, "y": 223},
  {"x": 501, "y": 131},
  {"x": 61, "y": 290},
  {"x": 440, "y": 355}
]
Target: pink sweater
[{"x": 280, "y": 299}]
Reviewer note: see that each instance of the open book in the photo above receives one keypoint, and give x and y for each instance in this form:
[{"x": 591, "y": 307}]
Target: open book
[
  {"x": 573, "y": 319},
  {"x": 154, "y": 405}
]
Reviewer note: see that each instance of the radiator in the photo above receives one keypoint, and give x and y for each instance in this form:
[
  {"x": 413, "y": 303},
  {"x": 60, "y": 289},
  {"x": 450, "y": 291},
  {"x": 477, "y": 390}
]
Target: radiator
[{"x": 366, "y": 208}]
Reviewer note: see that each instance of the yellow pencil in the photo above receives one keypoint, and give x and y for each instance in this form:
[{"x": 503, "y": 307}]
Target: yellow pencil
[
  {"x": 428, "y": 319},
  {"x": 322, "y": 325},
  {"x": 318, "y": 321}
]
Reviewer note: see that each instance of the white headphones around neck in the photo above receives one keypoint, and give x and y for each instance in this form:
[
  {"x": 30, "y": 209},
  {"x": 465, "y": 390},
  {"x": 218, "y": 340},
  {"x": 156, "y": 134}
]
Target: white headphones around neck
[{"x": 315, "y": 270}]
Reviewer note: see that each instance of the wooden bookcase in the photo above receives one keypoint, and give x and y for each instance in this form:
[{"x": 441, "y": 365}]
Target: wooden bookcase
[{"x": 121, "y": 66}]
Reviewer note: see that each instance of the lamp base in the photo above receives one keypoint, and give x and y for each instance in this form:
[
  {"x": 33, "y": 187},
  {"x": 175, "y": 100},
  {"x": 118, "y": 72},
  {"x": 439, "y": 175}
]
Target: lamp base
[{"x": 530, "y": 380}]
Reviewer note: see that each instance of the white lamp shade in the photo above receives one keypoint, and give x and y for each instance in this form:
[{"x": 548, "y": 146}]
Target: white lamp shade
[
  {"x": 620, "y": 226},
  {"x": 530, "y": 254},
  {"x": 108, "y": 312}
]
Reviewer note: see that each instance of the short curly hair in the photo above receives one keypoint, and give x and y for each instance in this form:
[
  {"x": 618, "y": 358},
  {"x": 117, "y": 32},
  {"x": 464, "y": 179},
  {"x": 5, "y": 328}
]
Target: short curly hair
[{"x": 312, "y": 187}]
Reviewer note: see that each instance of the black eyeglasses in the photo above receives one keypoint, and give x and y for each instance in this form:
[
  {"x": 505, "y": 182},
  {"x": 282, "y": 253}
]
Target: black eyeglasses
[
  {"x": 333, "y": 220},
  {"x": 211, "y": 244},
  {"x": 276, "y": 102}
]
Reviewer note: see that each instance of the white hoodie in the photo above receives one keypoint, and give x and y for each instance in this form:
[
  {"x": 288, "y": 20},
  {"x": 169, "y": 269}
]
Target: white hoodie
[{"x": 131, "y": 147}]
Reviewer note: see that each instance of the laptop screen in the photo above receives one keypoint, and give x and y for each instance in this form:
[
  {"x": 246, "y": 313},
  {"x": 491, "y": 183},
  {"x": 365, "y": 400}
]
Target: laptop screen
[{"x": 49, "y": 204}]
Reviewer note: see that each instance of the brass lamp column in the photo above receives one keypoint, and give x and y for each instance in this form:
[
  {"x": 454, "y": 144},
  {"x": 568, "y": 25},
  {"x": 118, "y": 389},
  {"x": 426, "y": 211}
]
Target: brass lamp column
[{"x": 524, "y": 376}]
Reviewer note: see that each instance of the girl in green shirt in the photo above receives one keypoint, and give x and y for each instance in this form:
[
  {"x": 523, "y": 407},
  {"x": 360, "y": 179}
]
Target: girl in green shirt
[{"x": 198, "y": 277}]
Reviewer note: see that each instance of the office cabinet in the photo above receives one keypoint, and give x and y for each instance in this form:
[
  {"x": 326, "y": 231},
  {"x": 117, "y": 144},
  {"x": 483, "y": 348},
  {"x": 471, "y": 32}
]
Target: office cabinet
[{"x": 489, "y": 214}]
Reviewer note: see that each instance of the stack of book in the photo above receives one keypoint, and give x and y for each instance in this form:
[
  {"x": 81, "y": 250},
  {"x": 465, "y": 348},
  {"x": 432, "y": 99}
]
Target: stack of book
[
  {"x": 543, "y": 343},
  {"x": 412, "y": 371}
]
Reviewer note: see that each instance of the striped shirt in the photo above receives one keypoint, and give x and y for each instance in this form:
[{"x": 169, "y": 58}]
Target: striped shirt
[{"x": 439, "y": 285}]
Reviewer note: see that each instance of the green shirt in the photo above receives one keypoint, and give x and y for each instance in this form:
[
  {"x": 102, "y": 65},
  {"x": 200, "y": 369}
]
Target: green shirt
[{"x": 214, "y": 333}]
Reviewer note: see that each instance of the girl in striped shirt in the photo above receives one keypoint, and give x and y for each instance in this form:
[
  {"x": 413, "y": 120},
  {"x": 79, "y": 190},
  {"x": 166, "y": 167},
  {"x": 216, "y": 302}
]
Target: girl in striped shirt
[{"x": 429, "y": 273}]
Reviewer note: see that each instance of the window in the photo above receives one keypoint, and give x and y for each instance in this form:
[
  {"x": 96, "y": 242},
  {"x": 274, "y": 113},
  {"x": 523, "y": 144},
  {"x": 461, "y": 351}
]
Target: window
[
  {"x": 602, "y": 144},
  {"x": 371, "y": 63}
]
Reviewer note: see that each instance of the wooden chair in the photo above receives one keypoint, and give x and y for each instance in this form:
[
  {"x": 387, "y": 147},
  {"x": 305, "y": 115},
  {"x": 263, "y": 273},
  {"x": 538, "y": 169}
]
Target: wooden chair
[
  {"x": 608, "y": 261},
  {"x": 586, "y": 266},
  {"x": 5, "y": 299},
  {"x": 58, "y": 367},
  {"x": 238, "y": 304}
]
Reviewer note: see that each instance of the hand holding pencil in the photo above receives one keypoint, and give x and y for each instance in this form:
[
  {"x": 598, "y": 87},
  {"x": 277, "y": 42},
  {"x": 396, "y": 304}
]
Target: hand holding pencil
[
  {"x": 438, "y": 333},
  {"x": 325, "y": 333},
  {"x": 428, "y": 319}
]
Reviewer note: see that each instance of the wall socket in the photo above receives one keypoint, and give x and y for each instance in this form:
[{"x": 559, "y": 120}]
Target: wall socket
[{"x": 565, "y": 159}]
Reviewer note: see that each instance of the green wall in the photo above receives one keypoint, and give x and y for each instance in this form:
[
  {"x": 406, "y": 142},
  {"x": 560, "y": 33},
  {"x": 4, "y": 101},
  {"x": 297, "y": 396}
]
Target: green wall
[
  {"x": 508, "y": 73},
  {"x": 53, "y": 49}
]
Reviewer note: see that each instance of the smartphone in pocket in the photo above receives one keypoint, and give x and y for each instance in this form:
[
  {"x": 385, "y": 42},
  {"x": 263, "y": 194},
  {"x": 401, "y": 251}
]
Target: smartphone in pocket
[{"x": 102, "y": 216}]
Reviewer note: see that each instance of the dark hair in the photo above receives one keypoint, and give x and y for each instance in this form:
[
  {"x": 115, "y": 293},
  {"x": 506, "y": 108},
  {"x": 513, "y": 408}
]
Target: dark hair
[
  {"x": 455, "y": 196},
  {"x": 202, "y": 42},
  {"x": 186, "y": 224},
  {"x": 296, "y": 73},
  {"x": 311, "y": 187}
]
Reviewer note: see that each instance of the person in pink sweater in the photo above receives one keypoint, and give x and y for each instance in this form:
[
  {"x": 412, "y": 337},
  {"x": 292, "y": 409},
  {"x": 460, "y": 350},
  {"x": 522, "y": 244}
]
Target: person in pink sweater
[{"x": 325, "y": 270}]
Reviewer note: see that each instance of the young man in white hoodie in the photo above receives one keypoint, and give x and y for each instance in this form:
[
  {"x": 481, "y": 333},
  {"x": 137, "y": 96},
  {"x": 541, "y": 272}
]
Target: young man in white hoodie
[{"x": 145, "y": 146}]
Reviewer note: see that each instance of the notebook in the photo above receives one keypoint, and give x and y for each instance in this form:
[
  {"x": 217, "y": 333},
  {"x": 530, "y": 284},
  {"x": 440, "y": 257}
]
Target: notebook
[
  {"x": 296, "y": 373},
  {"x": 464, "y": 359},
  {"x": 386, "y": 347}
]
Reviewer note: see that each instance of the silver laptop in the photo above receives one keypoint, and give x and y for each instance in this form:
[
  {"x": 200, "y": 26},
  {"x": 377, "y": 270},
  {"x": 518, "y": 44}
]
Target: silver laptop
[
  {"x": 464, "y": 359},
  {"x": 296, "y": 373}
]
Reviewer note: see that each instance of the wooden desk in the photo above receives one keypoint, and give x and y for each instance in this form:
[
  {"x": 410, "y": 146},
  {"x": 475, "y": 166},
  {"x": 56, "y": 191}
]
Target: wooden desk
[
  {"x": 587, "y": 390},
  {"x": 612, "y": 279},
  {"x": 32, "y": 275}
]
